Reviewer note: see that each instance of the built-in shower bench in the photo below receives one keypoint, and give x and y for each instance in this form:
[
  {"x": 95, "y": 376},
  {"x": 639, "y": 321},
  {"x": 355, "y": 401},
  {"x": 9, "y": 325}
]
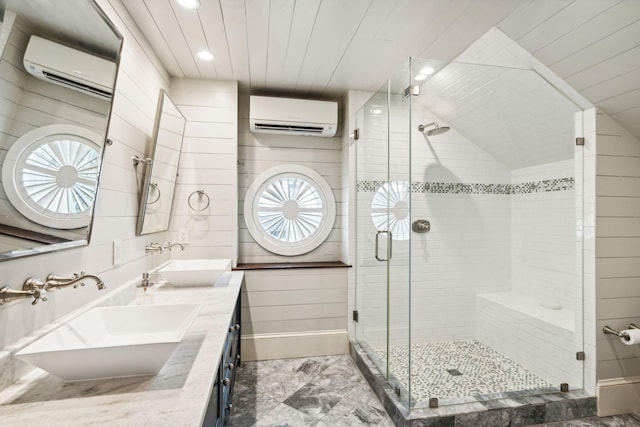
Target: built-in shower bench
[
  {"x": 558, "y": 317},
  {"x": 542, "y": 340}
]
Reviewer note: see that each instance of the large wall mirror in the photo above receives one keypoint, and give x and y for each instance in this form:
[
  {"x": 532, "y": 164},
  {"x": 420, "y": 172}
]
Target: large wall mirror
[
  {"x": 162, "y": 168},
  {"x": 58, "y": 67}
]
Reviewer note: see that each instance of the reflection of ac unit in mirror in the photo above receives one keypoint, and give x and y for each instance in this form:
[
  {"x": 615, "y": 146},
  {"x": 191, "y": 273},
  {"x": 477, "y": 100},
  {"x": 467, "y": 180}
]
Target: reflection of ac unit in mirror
[
  {"x": 71, "y": 68},
  {"x": 286, "y": 116}
]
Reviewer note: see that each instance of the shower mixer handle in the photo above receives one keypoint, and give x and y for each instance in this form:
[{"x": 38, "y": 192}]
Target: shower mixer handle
[
  {"x": 389, "y": 245},
  {"x": 421, "y": 226}
]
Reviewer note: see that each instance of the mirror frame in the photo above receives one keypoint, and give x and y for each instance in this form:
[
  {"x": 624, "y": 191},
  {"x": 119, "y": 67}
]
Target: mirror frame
[
  {"x": 146, "y": 188},
  {"x": 55, "y": 247}
]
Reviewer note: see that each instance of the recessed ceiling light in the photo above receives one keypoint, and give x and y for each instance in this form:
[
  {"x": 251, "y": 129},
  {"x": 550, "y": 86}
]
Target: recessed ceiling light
[
  {"x": 427, "y": 70},
  {"x": 420, "y": 77},
  {"x": 376, "y": 111},
  {"x": 206, "y": 55},
  {"x": 189, "y": 4}
]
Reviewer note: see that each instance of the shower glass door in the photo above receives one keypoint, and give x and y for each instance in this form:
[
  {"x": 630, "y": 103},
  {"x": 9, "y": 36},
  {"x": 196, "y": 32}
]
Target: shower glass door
[{"x": 383, "y": 233}]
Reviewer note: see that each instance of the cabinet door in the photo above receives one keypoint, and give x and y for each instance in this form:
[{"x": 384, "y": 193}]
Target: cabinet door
[{"x": 212, "y": 416}]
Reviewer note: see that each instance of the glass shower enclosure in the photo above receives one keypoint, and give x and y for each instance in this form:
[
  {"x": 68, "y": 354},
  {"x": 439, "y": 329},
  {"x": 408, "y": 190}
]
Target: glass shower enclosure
[{"x": 468, "y": 228}]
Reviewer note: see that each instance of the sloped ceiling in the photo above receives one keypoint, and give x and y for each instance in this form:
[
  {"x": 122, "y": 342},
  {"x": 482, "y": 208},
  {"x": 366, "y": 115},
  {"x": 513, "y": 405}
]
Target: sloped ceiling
[
  {"x": 512, "y": 114},
  {"x": 320, "y": 48}
]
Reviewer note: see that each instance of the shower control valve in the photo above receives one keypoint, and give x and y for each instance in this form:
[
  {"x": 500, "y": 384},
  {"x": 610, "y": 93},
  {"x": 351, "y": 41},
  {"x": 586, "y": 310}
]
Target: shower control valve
[{"x": 421, "y": 226}]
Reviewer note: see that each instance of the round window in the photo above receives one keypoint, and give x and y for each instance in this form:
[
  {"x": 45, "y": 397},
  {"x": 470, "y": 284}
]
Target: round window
[
  {"x": 390, "y": 209},
  {"x": 289, "y": 210},
  {"x": 51, "y": 174}
]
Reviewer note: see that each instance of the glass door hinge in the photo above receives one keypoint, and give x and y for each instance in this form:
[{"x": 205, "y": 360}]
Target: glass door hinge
[{"x": 355, "y": 315}]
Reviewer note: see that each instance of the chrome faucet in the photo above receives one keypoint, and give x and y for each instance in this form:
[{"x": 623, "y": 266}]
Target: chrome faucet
[
  {"x": 170, "y": 245},
  {"x": 53, "y": 282},
  {"x": 152, "y": 247},
  {"x": 38, "y": 289}
]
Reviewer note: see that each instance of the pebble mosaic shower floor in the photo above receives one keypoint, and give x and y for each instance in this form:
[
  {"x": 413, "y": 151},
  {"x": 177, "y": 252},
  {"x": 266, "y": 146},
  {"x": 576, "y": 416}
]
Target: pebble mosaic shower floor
[{"x": 455, "y": 369}]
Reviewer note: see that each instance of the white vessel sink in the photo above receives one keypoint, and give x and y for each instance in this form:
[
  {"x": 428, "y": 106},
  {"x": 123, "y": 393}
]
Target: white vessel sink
[
  {"x": 195, "y": 272},
  {"x": 110, "y": 342}
]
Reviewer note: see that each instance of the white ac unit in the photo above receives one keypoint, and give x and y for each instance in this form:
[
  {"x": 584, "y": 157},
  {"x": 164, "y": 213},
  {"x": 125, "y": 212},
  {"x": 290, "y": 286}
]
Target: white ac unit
[
  {"x": 71, "y": 68},
  {"x": 286, "y": 116}
]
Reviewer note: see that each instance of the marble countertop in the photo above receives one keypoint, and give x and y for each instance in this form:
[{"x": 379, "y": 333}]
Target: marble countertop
[{"x": 177, "y": 396}]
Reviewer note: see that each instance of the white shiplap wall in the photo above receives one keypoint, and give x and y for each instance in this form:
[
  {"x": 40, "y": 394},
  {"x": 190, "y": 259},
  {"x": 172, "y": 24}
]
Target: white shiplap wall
[
  {"x": 140, "y": 78},
  {"x": 258, "y": 152},
  {"x": 208, "y": 162},
  {"x": 284, "y": 308},
  {"x": 617, "y": 246}
]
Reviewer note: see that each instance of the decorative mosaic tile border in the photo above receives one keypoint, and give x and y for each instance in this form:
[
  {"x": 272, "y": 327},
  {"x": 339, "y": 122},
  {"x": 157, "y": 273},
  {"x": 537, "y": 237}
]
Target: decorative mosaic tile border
[{"x": 544, "y": 186}]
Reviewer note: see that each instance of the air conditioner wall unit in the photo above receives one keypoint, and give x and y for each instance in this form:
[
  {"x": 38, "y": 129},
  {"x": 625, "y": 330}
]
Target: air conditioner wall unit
[
  {"x": 288, "y": 116},
  {"x": 71, "y": 68}
]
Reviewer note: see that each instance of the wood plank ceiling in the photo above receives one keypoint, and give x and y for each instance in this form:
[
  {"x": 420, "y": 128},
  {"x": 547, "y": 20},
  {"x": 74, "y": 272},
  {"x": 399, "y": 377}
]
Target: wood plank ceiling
[{"x": 321, "y": 48}]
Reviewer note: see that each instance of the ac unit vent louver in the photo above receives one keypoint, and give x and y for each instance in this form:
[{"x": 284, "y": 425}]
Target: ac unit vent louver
[
  {"x": 288, "y": 128},
  {"x": 62, "y": 81}
]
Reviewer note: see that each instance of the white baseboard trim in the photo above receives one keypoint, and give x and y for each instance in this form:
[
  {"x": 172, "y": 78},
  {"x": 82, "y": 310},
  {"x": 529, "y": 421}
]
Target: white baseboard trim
[
  {"x": 300, "y": 344},
  {"x": 618, "y": 396}
]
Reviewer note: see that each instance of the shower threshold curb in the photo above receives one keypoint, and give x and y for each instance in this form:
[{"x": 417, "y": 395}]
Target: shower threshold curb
[{"x": 515, "y": 409}]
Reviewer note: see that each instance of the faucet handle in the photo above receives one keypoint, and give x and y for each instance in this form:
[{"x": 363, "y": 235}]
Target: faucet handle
[{"x": 39, "y": 294}]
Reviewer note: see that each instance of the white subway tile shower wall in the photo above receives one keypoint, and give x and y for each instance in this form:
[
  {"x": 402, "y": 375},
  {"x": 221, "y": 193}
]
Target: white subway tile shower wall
[
  {"x": 140, "y": 78},
  {"x": 543, "y": 247}
]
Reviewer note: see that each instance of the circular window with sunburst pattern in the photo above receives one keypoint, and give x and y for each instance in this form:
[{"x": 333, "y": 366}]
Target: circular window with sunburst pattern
[
  {"x": 289, "y": 210},
  {"x": 50, "y": 175},
  {"x": 390, "y": 209}
]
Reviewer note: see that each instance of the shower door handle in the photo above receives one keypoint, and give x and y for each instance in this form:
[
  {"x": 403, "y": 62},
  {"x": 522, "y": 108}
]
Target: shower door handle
[{"x": 389, "y": 244}]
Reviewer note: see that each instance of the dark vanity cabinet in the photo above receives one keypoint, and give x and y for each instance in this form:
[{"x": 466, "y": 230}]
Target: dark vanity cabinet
[{"x": 220, "y": 402}]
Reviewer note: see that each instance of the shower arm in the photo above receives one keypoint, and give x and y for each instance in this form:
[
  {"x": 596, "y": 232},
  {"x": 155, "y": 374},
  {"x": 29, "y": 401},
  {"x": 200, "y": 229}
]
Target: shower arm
[{"x": 421, "y": 128}]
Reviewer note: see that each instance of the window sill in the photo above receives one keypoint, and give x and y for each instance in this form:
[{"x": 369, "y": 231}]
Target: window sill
[{"x": 290, "y": 265}]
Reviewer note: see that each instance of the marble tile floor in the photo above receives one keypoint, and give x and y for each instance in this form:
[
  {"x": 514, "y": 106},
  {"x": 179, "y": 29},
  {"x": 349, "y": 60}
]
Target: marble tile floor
[
  {"x": 627, "y": 420},
  {"x": 326, "y": 391},
  {"x": 330, "y": 392}
]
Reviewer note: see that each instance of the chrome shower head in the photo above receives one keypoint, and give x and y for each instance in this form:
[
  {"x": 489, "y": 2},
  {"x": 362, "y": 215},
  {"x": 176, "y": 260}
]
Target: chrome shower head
[{"x": 437, "y": 130}]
